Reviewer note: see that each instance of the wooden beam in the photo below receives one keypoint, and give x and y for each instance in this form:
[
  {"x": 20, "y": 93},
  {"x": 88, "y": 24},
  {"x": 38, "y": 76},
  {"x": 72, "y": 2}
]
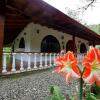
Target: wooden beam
[{"x": 1, "y": 39}]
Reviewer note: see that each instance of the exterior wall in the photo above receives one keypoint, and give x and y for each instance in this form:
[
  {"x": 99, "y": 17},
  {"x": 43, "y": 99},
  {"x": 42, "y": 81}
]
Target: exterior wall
[
  {"x": 44, "y": 31},
  {"x": 35, "y": 33},
  {"x": 78, "y": 42},
  {"x": 26, "y": 32}
]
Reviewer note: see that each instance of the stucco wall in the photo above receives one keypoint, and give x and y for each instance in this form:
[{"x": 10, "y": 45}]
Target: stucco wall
[
  {"x": 26, "y": 32},
  {"x": 79, "y": 41},
  {"x": 35, "y": 33}
]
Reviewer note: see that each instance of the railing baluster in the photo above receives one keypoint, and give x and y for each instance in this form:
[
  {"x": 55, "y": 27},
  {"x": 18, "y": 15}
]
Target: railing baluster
[
  {"x": 41, "y": 60},
  {"x": 54, "y": 57},
  {"x": 21, "y": 68},
  {"x": 13, "y": 62},
  {"x": 35, "y": 58},
  {"x": 78, "y": 57},
  {"x": 4, "y": 63},
  {"x": 50, "y": 59},
  {"x": 29, "y": 61},
  {"x": 46, "y": 59}
]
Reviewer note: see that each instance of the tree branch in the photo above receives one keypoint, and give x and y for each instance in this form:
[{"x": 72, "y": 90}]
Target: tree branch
[{"x": 88, "y": 5}]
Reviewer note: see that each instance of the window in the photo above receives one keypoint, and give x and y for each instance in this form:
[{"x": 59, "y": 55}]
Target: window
[{"x": 22, "y": 43}]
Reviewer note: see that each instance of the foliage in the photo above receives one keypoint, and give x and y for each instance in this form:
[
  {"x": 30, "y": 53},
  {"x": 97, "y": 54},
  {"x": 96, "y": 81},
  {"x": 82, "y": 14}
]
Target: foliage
[
  {"x": 95, "y": 28},
  {"x": 6, "y": 49},
  {"x": 90, "y": 96},
  {"x": 95, "y": 90},
  {"x": 55, "y": 93},
  {"x": 79, "y": 11},
  {"x": 89, "y": 3},
  {"x": 74, "y": 14},
  {"x": 8, "y": 55}
]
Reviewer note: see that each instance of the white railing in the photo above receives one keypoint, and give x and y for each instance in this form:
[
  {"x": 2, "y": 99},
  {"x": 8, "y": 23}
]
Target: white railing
[{"x": 20, "y": 62}]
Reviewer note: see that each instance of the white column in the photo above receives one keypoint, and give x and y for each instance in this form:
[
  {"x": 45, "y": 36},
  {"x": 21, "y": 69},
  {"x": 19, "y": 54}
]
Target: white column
[
  {"x": 35, "y": 58},
  {"x": 4, "y": 63},
  {"x": 13, "y": 62},
  {"x": 50, "y": 59},
  {"x": 46, "y": 59},
  {"x": 41, "y": 60},
  {"x": 21, "y": 68},
  {"x": 29, "y": 61}
]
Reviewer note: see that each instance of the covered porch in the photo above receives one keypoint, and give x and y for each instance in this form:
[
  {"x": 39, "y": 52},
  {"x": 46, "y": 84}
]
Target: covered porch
[{"x": 16, "y": 14}]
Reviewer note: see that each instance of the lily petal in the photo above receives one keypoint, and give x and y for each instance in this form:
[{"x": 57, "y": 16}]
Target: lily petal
[
  {"x": 90, "y": 79},
  {"x": 68, "y": 76},
  {"x": 86, "y": 73}
]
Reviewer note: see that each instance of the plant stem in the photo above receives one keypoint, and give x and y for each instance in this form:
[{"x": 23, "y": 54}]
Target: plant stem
[{"x": 81, "y": 88}]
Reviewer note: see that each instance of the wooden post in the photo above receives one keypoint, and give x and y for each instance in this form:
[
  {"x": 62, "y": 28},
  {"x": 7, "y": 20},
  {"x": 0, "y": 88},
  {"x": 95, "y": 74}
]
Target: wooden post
[
  {"x": 2, "y": 12},
  {"x": 1, "y": 39},
  {"x": 93, "y": 43}
]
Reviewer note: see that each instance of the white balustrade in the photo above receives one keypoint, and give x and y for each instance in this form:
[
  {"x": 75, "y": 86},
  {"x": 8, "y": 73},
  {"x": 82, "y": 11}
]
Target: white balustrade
[
  {"x": 21, "y": 65},
  {"x": 29, "y": 61},
  {"x": 41, "y": 60},
  {"x": 13, "y": 62},
  {"x": 35, "y": 58},
  {"x": 4, "y": 63},
  {"x": 46, "y": 59}
]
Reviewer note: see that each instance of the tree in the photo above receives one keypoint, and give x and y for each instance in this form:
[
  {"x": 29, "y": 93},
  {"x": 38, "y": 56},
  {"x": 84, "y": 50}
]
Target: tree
[
  {"x": 90, "y": 3},
  {"x": 75, "y": 14}
]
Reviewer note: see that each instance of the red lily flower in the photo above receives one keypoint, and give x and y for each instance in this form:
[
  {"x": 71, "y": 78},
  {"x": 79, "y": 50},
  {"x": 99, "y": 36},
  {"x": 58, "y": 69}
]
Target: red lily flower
[
  {"x": 67, "y": 66},
  {"x": 91, "y": 63}
]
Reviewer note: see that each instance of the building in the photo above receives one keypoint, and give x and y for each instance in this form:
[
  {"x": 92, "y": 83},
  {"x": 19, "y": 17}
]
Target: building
[{"x": 34, "y": 26}]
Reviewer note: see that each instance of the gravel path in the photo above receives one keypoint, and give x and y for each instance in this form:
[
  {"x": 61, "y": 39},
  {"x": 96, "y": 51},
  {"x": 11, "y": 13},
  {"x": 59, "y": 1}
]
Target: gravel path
[{"x": 35, "y": 86}]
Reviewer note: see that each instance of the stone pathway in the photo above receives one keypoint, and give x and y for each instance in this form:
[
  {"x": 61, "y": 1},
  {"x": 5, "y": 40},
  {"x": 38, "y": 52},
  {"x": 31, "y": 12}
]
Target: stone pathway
[{"x": 35, "y": 86}]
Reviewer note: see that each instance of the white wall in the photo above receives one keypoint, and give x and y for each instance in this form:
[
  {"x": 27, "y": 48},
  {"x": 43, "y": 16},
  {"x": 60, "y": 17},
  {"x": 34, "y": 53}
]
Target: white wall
[
  {"x": 27, "y": 30},
  {"x": 33, "y": 39},
  {"x": 44, "y": 31},
  {"x": 78, "y": 42}
]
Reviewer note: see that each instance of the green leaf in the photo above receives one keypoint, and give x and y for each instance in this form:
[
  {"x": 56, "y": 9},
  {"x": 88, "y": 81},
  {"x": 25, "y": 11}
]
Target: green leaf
[
  {"x": 56, "y": 94},
  {"x": 90, "y": 96}
]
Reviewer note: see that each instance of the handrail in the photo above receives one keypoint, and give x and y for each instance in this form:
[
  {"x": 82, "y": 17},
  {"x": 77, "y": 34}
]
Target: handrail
[
  {"x": 31, "y": 52},
  {"x": 44, "y": 52}
]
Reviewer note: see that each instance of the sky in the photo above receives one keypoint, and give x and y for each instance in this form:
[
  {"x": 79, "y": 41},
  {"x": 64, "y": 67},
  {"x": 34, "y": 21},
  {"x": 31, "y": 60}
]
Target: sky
[{"x": 90, "y": 16}]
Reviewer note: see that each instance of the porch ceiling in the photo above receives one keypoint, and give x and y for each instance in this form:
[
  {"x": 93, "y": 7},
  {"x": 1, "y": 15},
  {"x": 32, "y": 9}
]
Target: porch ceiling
[{"x": 19, "y": 13}]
